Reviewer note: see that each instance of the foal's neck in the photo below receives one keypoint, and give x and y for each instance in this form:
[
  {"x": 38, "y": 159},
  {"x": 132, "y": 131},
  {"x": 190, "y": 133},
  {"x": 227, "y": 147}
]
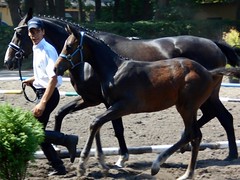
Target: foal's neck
[{"x": 104, "y": 60}]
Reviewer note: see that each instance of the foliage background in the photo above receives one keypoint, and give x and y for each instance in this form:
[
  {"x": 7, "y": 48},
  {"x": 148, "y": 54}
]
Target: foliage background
[{"x": 140, "y": 18}]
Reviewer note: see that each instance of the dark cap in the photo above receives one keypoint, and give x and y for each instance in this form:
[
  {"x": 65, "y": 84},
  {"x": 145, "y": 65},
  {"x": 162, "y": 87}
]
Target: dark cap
[{"x": 35, "y": 23}]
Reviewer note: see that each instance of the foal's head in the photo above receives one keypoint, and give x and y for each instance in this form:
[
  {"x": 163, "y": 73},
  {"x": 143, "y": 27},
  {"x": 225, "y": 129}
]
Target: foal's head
[{"x": 72, "y": 52}]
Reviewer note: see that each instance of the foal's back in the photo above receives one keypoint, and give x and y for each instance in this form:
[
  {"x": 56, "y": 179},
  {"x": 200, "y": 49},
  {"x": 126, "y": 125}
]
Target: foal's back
[{"x": 154, "y": 86}]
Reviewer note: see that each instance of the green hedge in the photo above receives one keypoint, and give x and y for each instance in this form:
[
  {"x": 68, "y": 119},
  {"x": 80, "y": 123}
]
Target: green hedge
[
  {"x": 6, "y": 34},
  {"x": 211, "y": 29}
]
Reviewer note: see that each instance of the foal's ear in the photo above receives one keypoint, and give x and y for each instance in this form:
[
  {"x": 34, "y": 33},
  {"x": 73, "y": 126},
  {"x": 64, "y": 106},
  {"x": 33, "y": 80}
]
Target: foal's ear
[
  {"x": 68, "y": 29},
  {"x": 71, "y": 30}
]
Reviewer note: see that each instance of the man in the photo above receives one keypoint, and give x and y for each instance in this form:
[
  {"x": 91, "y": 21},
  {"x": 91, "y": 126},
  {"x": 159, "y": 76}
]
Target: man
[{"x": 46, "y": 83}]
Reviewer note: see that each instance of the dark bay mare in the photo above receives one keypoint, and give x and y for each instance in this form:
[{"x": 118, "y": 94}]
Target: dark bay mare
[
  {"x": 208, "y": 53},
  {"x": 131, "y": 86}
]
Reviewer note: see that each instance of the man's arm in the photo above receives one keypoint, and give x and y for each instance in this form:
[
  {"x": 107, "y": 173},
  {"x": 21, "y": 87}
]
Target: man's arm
[{"x": 40, "y": 107}]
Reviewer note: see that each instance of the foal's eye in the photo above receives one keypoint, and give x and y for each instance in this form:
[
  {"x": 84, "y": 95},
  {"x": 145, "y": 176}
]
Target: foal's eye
[{"x": 69, "y": 47}]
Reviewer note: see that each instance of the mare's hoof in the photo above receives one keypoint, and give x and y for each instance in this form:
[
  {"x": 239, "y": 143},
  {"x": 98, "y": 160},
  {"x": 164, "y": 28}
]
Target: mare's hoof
[
  {"x": 105, "y": 172},
  {"x": 231, "y": 157},
  {"x": 185, "y": 148},
  {"x": 121, "y": 161}
]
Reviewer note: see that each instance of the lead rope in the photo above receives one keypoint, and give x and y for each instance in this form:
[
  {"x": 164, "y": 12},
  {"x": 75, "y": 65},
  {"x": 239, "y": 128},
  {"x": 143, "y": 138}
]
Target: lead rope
[{"x": 19, "y": 57}]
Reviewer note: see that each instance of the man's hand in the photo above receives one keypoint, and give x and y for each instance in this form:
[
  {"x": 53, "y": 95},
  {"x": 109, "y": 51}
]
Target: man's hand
[
  {"x": 38, "y": 109},
  {"x": 29, "y": 81}
]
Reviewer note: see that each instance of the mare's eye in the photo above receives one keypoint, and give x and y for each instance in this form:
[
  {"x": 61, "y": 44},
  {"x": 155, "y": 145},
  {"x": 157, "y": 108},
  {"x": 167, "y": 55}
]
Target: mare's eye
[{"x": 18, "y": 34}]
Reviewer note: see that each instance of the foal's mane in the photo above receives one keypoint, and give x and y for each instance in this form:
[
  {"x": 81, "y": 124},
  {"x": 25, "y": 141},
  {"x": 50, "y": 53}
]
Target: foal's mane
[{"x": 92, "y": 34}]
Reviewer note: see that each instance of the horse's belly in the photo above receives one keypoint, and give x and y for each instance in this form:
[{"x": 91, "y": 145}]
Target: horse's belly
[{"x": 157, "y": 101}]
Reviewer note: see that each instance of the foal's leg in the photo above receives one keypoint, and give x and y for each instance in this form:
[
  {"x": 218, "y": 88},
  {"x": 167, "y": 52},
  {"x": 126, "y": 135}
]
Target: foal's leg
[
  {"x": 195, "y": 149},
  {"x": 192, "y": 133},
  {"x": 113, "y": 112},
  {"x": 99, "y": 152}
]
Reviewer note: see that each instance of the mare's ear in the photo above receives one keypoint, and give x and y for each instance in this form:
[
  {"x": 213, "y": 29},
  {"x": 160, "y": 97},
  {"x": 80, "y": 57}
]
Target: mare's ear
[
  {"x": 20, "y": 13},
  {"x": 29, "y": 15}
]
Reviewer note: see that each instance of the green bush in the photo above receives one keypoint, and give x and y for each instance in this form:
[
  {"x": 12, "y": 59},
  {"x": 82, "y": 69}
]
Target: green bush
[
  {"x": 20, "y": 135},
  {"x": 232, "y": 37}
]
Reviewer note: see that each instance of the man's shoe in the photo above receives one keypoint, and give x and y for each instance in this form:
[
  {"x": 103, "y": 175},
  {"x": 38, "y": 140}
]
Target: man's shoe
[
  {"x": 71, "y": 144},
  {"x": 58, "y": 171}
]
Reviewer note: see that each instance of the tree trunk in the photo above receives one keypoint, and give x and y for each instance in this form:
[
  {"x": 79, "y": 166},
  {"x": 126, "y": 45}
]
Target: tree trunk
[
  {"x": 238, "y": 10},
  {"x": 27, "y": 4},
  {"x": 52, "y": 8},
  {"x": 98, "y": 9},
  {"x": 82, "y": 16},
  {"x": 128, "y": 8},
  {"x": 60, "y": 8},
  {"x": 13, "y": 6},
  {"x": 160, "y": 5},
  {"x": 40, "y": 7},
  {"x": 147, "y": 9},
  {"x": 115, "y": 10}
]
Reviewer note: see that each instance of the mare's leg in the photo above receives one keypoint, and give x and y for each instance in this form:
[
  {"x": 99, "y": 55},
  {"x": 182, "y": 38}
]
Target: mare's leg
[
  {"x": 226, "y": 120},
  {"x": 75, "y": 105},
  {"x": 114, "y": 112},
  {"x": 119, "y": 133},
  {"x": 213, "y": 107}
]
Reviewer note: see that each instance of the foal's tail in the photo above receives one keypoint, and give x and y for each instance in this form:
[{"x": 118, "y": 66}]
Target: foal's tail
[
  {"x": 232, "y": 57},
  {"x": 232, "y": 71}
]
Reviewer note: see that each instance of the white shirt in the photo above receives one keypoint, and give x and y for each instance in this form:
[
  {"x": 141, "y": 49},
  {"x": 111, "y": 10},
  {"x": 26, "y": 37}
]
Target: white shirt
[{"x": 44, "y": 58}]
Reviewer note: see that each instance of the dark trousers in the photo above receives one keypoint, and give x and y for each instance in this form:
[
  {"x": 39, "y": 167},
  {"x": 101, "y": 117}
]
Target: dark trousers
[{"x": 50, "y": 136}]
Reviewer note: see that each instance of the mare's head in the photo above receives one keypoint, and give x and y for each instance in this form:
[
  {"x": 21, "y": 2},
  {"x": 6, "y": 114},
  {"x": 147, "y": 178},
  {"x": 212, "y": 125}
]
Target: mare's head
[
  {"x": 20, "y": 45},
  {"x": 72, "y": 51}
]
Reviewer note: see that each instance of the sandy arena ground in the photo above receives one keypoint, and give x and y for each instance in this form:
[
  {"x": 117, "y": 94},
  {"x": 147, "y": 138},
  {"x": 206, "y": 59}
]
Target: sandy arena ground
[{"x": 143, "y": 129}]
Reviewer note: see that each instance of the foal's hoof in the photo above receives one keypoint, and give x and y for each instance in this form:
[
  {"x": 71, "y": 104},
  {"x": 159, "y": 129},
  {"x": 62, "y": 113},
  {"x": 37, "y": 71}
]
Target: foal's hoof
[
  {"x": 81, "y": 172},
  {"x": 122, "y": 159},
  {"x": 81, "y": 169},
  {"x": 155, "y": 168}
]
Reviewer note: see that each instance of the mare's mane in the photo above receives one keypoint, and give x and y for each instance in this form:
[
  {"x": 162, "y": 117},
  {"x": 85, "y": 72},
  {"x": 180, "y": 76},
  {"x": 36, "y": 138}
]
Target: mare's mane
[{"x": 60, "y": 22}]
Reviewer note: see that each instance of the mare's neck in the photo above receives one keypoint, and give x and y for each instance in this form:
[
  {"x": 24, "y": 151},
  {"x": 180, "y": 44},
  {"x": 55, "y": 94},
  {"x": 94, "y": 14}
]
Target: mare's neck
[
  {"x": 110, "y": 38},
  {"x": 55, "y": 34}
]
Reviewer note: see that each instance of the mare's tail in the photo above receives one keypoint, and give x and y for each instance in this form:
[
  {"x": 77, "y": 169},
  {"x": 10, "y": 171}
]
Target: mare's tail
[
  {"x": 232, "y": 71},
  {"x": 232, "y": 57}
]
